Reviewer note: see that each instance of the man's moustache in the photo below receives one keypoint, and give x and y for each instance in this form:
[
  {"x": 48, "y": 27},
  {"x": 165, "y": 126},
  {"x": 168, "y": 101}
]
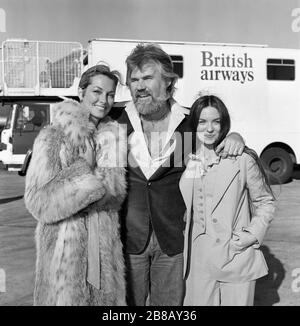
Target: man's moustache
[{"x": 142, "y": 94}]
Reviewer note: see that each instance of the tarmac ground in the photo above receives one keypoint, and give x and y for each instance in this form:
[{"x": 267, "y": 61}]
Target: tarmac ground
[{"x": 281, "y": 287}]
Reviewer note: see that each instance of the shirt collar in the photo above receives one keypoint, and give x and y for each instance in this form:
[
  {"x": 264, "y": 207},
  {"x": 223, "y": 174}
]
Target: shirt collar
[
  {"x": 214, "y": 159},
  {"x": 177, "y": 115}
]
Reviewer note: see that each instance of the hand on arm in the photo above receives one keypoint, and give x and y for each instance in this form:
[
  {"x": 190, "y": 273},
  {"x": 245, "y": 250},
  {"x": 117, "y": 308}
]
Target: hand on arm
[{"x": 232, "y": 145}]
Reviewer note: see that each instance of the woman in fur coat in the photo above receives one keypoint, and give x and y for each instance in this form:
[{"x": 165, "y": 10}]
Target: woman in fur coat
[{"x": 75, "y": 185}]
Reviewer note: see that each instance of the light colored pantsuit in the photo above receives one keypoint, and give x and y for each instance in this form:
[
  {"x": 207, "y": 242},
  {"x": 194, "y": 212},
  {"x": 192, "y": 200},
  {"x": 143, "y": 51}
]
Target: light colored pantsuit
[
  {"x": 215, "y": 270},
  {"x": 204, "y": 290}
]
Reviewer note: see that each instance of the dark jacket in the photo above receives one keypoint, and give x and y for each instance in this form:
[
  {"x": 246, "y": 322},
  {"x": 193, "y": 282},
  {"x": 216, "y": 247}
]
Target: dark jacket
[{"x": 155, "y": 204}]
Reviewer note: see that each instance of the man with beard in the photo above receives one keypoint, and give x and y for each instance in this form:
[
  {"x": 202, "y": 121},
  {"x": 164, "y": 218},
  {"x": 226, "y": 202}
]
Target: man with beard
[{"x": 153, "y": 214}]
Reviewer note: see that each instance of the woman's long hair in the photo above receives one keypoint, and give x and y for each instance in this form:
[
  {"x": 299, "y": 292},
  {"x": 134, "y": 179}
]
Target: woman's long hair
[
  {"x": 263, "y": 172},
  {"x": 196, "y": 110},
  {"x": 213, "y": 101}
]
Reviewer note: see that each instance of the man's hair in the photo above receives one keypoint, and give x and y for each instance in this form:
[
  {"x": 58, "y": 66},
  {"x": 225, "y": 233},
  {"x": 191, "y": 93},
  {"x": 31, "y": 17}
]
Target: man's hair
[
  {"x": 152, "y": 53},
  {"x": 101, "y": 69}
]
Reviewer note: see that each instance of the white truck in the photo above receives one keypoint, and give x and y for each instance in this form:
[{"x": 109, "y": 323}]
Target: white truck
[
  {"x": 33, "y": 76},
  {"x": 259, "y": 85}
]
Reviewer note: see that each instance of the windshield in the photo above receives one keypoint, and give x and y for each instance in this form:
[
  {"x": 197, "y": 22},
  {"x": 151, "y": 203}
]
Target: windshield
[{"x": 31, "y": 116}]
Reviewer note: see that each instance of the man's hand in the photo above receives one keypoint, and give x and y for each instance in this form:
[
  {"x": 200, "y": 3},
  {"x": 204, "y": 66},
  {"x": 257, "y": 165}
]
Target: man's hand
[{"x": 232, "y": 145}]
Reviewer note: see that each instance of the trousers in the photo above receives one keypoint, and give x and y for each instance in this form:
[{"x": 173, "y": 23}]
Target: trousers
[
  {"x": 215, "y": 293},
  {"x": 154, "y": 278}
]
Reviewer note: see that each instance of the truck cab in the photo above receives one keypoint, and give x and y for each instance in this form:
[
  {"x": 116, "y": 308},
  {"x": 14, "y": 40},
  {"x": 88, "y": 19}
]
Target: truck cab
[
  {"x": 33, "y": 76},
  {"x": 24, "y": 121}
]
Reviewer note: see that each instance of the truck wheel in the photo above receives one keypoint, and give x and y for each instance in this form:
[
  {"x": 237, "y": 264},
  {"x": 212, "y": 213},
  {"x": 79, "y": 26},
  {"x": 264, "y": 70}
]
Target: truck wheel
[{"x": 279, "y": 164}]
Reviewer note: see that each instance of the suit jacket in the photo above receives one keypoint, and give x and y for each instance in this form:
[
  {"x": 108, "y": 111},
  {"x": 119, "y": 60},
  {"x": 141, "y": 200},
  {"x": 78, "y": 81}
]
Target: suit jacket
[
  {"x": 155, "y": 204},
  {"x": 238, "y": 181}
]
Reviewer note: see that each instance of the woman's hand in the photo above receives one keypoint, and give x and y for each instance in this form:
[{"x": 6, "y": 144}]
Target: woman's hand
[
  {"x": 243, "y": 240},
  {"x": 88, "y": 153},
  {"x": 232, "y": 145}
]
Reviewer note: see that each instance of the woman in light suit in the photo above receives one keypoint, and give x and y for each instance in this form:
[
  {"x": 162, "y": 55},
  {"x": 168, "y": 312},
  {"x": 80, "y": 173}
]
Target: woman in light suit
[{"x": 229, "y": 209}]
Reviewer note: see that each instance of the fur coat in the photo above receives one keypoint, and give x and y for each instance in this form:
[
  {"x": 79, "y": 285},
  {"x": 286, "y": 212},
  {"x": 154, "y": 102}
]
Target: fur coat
[{"x": 62, "y": 191}]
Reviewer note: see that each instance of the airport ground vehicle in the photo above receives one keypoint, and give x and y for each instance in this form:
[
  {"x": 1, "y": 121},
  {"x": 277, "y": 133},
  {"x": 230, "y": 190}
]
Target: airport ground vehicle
[
  {"x": 259, "y": 85},
  {"x": 33, "y": 76}
]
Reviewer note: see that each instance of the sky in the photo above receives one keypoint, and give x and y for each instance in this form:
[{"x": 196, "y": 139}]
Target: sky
[{"x": 272, "y": 22}]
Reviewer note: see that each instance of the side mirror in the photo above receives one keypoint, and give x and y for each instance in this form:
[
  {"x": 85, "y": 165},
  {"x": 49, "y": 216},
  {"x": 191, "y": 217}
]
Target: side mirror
[{"x": 26, "y": 162}]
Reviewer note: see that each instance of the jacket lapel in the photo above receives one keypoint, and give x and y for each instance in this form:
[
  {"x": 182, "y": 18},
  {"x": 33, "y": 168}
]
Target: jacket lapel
[
  {"x": 187, "y": 184},
  {"x": 133, "y": 165},
  {"x": 176, "y": 159},
  {"x": 227, "y": 171}
]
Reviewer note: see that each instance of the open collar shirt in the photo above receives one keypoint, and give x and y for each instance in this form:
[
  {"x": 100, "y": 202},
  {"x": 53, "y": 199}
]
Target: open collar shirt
[{"x": 137, "y": 143}]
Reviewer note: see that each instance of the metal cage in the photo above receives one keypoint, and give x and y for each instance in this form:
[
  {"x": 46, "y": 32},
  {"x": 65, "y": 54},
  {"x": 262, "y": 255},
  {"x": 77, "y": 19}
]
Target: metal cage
[{"x": 40, "y": 67}]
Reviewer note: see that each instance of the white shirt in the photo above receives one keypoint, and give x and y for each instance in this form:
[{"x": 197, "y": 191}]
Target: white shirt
[{"x": 137, "y": 144}]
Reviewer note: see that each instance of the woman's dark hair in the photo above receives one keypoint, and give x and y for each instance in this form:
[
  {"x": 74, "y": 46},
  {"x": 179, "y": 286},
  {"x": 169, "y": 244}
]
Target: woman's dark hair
[
  {"x": 100, "y": 69},
  {"x": 263, "y": 172},
  {"x": 195, "y": 112},
  {"x": 213, "y": 101}
]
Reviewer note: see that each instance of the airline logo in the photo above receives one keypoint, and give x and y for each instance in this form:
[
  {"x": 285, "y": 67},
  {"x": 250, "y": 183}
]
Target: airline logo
[{"x": 226, "y": 67}]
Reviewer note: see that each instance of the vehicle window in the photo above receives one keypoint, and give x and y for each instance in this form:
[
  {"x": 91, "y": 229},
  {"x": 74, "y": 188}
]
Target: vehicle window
[
  {"x": 280, "y": 69},
  {"x": 177, "y": 64},
  {"x": 32, "y": 117},
  {"x": 20, "y": 117}
]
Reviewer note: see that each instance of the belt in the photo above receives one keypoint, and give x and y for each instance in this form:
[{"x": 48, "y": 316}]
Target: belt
[{"x": 93, "y": 274}]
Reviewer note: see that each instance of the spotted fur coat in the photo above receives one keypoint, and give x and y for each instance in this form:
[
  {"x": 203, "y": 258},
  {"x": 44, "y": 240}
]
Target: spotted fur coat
[{"x": 61, "y": 192}]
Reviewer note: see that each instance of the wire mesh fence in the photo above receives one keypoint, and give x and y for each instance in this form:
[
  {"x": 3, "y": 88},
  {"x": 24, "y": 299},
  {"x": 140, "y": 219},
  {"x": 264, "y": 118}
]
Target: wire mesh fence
[{"x": 36, "y": 65}]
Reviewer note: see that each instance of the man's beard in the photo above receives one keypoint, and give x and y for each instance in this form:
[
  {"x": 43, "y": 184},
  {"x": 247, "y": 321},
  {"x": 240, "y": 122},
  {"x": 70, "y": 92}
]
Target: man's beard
[{"x": 150, "y": 107}]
